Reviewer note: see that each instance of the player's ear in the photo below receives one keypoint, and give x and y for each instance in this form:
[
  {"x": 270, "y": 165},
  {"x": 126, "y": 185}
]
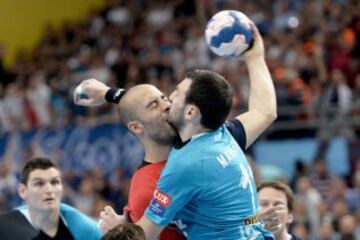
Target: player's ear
[
  {"x": 192, "y": 112},
  {"x": 135, "y": 127},
  {"x": 22, "y": 190},
  {"x": 291, "y": 218}
]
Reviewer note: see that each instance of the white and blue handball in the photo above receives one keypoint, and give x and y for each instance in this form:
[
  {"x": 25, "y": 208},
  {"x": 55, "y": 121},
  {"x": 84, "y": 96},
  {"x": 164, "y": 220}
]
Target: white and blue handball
[{"x": 229, "y": 34}]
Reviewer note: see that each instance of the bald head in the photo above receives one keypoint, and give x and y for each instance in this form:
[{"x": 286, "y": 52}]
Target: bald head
[
  {"x": 131, "y": 103},
  {"x": 144, "y": 109}
]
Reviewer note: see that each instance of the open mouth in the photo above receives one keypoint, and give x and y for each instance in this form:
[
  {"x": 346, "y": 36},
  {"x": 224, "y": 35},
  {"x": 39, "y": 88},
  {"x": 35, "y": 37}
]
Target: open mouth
[{"x": 49, "y": 200}]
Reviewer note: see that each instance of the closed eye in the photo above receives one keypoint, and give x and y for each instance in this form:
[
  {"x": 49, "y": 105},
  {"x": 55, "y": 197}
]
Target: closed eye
[
  {"x": 154, "y": 104},
  {"x": 151, "y": 104}
]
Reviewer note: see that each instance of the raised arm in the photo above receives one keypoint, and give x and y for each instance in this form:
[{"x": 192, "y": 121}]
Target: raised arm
[{"x": 262, "y": 103}]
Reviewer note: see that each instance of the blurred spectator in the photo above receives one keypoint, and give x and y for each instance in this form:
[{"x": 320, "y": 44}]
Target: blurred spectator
[
  {"x": 347, "y": 228},
  {"x": 17, "y": 111},
  {"x": 301, "y": 170},
  {"x": 84, "y": 198},
  {"x": 338, "y": 189},
  {"x": 5, "y": 125},
  {"x": 339, "y": 209},
  {"x": 8, "y": 184},
  {"x": 38, "y": 97},
  {"x": 327, "y": 232},
  {"x": 310, "y": 199},
  {"x": 352, "y": 195},
  {"x": 337, "y": 103},
  {"x": 272, "y": 194},
  {"x": 119, "y": 188},
  {"x": 321, "y": 179},
  {"x": 301, "y": 230}
]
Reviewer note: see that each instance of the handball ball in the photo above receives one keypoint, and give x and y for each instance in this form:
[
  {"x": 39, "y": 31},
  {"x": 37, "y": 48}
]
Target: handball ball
[{"x": 229, "y": 33}]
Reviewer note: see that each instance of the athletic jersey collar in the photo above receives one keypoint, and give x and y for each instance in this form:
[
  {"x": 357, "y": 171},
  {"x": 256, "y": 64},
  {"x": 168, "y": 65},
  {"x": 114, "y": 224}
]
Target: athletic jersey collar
[
  {"x": 145, "y": 163},
  {"x": 179, "y": 144},
  {"x": 25, "y": 212}
]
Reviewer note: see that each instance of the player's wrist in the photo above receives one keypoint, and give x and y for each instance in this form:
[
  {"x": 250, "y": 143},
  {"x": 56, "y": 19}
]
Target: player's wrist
[
  {"x": 255, "y": 59},
  {"x": 113, "y": 95}
]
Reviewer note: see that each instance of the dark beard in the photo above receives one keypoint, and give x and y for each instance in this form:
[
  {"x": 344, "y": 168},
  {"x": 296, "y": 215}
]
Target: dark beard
[{"x": 165, "y": 139}]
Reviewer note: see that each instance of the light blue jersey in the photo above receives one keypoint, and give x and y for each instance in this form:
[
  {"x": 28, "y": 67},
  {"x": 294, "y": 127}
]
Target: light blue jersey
[
  {"x": 208, "y": 189},
  {"x": 80, "y": 225}
]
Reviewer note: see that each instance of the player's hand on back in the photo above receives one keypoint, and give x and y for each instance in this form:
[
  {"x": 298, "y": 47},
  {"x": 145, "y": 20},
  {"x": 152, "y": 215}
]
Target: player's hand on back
[
  {"x": 90, "y": 92},
  {"x": 110, "y": 219}
]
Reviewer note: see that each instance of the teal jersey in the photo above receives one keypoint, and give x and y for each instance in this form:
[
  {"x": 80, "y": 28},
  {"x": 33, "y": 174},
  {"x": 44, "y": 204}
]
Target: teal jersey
[
  {"x": 80, "y": 225},
  {"x": 207, "y": 189}
]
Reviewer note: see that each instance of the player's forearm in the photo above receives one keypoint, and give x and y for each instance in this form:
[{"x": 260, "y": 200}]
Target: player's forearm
[
  {"x": 152, "y": 231},
  {"x": 262, "y": 92}
]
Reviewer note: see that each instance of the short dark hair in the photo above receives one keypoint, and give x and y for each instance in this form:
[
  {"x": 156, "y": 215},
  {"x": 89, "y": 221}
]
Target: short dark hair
[
  {"x": 283, "y": 187},
  {"x": 126, "y": 231},
  {"x": 212, "y": 94},
  {"x": 35, "y": 163}
]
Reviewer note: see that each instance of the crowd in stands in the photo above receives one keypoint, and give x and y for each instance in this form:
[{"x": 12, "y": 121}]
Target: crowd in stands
[{"x": 312, "y": 49}]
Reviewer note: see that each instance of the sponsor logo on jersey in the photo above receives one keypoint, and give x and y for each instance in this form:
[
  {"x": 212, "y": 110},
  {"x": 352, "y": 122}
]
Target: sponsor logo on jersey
[
  {"x": 159, "y": 203},
  {"x": 162, "y": 198}
]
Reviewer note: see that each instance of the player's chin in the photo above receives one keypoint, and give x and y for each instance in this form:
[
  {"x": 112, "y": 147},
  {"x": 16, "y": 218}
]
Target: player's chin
[{"x": 50, "y": 205}]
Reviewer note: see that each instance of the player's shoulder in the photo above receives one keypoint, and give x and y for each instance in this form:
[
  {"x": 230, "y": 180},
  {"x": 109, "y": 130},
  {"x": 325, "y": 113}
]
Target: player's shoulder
[
  {"x": 67, "y": 208},
  {"x": 11, "y": 220},
  {"x": 69, "y": 212},
  {"x": 14, "y": 213},
  {"x": 149, "y": 171},
  {"x": 4, "y": 216},
  {"x": 79, "y": 223}
]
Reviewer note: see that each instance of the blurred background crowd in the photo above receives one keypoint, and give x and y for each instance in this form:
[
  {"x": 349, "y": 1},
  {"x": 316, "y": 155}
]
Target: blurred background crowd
[{"x": 312, "y": 50}]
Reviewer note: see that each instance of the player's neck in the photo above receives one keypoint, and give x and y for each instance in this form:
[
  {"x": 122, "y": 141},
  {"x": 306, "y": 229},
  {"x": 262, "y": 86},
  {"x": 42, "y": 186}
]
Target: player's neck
[
  {"x": 190, "y": 130},
  {"x": 47, "y": 221},
  {"x": 155, "y": 152}
]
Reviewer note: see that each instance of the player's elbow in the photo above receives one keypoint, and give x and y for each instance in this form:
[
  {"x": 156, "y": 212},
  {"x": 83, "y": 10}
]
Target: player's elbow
[{"x": 271, "y": 116}]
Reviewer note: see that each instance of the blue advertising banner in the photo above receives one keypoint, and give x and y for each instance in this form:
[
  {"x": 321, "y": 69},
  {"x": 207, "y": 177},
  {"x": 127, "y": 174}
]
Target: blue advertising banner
[{"x": 77, "y": 147}]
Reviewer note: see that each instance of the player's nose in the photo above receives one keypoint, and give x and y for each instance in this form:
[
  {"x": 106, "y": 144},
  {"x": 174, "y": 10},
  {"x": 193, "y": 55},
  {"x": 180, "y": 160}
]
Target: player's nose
[{"x": 166, "y": 104}]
